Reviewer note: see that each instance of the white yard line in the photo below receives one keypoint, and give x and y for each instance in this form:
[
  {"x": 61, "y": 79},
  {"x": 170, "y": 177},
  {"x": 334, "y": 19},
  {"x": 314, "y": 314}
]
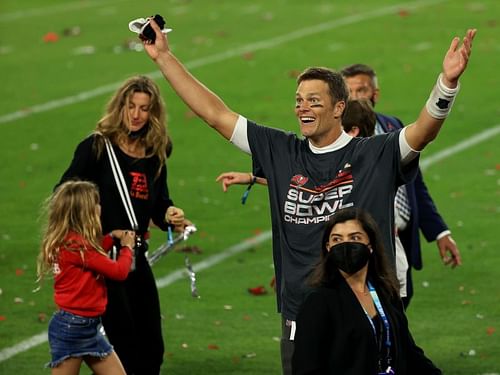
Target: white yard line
[
  {"x": 55, "y": 9},
  {"x": 23, "y": 346},
  {"x": 469, "y": 142},
  {"x": 204, "y": 61},
  {"x": 214, "y": 259}
]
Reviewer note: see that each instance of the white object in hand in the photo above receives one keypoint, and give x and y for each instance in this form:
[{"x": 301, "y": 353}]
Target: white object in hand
[{"x": 138, "y": 25}]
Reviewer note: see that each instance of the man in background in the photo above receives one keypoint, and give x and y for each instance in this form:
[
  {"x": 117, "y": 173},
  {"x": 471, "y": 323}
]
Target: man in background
[{"x": 416, "y": 207}]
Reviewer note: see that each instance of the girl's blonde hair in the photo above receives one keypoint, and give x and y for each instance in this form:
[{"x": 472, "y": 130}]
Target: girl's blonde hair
[
  {"x": 112, "y": 125},
  {"x": 71, "y": 208}
]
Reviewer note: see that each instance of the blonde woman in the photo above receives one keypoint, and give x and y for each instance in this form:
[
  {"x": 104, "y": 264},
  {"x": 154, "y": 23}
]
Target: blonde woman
[
  {"x": 134, "y": 124},
  {"x": 73, "y": 249}
]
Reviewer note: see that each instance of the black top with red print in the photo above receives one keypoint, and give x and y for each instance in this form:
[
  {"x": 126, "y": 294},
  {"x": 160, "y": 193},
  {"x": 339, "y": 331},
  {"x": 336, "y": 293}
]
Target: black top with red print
[
  {"x": 148, "y": 192},
  {"x": 306, "y": 189}
]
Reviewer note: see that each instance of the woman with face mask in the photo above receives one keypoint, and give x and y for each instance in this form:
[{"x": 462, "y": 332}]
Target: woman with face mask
[{"x": 353, "y": 322}]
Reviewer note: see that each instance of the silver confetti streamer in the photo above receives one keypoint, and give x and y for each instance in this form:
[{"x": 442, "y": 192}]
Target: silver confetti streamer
[
  {"x": 192, "y": 277},
  {"x": 167, "y": 247}
]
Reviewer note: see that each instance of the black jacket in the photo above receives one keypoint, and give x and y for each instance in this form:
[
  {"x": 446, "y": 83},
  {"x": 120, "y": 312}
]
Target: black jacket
[{"x": 334, "y": 336}]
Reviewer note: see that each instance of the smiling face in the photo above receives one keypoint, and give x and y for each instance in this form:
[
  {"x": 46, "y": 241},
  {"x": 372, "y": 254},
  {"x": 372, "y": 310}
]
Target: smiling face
[
  {"x": 319, "y": 117},
  {"x": 137, "y": 111}
]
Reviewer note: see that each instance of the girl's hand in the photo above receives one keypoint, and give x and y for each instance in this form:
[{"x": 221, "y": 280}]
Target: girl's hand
[{"x": 128, "y": 239}]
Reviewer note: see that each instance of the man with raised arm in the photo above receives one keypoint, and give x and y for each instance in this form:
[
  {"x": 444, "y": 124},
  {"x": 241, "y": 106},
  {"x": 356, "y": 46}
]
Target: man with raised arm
[{"x": 310, "y": 178}]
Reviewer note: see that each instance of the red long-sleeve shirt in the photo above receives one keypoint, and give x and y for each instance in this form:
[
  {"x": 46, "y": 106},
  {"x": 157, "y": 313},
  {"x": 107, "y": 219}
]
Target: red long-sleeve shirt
[{"x": 79, "y": 285}]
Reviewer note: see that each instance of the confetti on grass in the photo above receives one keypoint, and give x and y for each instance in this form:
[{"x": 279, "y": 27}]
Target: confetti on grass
[
  {"x": 42, "y": 317},
  {"x": 189, "y": 249},
  {"x": 248, "y": 56},
  {"x": 50, "y": 37},
  {"x": 72, "y": 31},
  {"x": 258, "y": 290}
]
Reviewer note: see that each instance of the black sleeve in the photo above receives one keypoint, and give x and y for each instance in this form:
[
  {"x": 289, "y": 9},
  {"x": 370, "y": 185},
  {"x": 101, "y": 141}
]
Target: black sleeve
[
  {"x": 84, "y": 162},
  {"x": 162, "y": 200},
  {"x": 268, "y": 146},
  {"x": 311, "y": 336}
]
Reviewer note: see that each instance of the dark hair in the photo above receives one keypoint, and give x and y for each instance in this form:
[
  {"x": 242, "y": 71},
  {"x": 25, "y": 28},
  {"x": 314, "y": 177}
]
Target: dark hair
[
  {"x": 359, "y": 113},
  {"x": 336, "y": 84},
  {"x": 379, "y": 270},
  {"x": 356, "y": 69}
]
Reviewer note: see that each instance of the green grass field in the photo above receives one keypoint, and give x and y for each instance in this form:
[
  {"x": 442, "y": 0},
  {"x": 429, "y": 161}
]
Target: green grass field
[{"x": 248, "y": 52}]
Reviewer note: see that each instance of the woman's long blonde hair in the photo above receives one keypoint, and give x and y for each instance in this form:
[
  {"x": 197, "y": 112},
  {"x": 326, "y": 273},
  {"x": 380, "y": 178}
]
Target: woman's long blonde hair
[
  {"x": 71, "y": 208},
  {"x": 113, "y": 126}
]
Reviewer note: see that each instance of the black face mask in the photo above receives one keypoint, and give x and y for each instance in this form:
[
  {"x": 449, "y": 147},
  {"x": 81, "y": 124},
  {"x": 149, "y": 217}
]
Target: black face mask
[{"x": 350, "y": 257}]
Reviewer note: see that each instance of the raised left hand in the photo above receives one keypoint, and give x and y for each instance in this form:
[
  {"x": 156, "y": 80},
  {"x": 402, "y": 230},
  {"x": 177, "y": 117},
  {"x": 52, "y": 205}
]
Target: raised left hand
[{"x": 456, "y": 59}]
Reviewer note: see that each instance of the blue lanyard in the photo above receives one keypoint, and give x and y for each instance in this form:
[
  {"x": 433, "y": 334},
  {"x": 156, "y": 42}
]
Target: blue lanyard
[
  {"x": 381, "y": 312},
  {"x": 385, "y": 321},
  {"x": 247, "y": 191}
]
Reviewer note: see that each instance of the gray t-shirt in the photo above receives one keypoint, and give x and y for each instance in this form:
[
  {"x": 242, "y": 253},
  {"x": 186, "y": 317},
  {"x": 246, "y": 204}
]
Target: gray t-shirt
[{"x": 306, "y": 189}]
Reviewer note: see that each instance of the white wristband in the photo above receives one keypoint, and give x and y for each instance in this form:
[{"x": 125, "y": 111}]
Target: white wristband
[{"x": 441, "y": 99}]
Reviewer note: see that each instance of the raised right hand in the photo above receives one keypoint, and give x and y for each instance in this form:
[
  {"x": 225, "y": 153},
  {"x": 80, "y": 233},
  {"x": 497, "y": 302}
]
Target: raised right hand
[{"x": 154, "y": 50}]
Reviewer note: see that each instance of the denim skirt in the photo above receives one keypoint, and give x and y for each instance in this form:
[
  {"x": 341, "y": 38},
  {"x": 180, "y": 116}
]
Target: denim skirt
[{"x": 71, "y": 335}]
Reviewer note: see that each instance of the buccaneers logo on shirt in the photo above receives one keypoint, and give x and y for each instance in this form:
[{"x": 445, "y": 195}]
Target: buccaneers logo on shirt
[
  {"x": 139, "y": 186},
  {"x": 299, "y": 180}
]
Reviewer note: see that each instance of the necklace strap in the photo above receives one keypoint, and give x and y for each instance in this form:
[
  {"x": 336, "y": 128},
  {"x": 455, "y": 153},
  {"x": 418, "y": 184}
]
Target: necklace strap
[{"x": 121, "y": 185}]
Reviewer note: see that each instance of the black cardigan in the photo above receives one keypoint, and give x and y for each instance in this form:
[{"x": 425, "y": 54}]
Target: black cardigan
[{"x": 334, "y": 336}]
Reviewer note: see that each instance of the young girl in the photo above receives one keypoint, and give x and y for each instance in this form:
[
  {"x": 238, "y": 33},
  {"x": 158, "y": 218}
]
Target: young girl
[{"x": 74, "y": 249}]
